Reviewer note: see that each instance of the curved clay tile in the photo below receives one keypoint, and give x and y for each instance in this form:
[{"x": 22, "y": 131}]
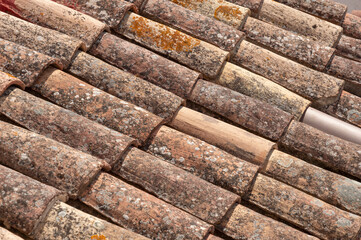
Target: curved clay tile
[
  {"x": 24, "y": 201},
  {"x": 349, "y": 47},
  {"x": 221, "y": 10},
  {"x": 203, "y": 160},
  {"x": 256, "y": 86},
  {"x": 66, "y": 222},
  {"x": 22, "y": 62},
  {"x": 146, "y": 64},
  {"x": 40, "y": 39},
  {"x": 46, "y": 160},
  {"x": 311, "y": 214},
  {"x": 250, "y": 113},
  {"x": 230, "y": 138},
  {"x": 212, "y": 237},
  {"x": 111, "y": 12},
  {"x": 197, "y": 25},
  {"x": 326, "y": 9},
  {"x": 302, "y": 23},
  {"x": 64, "y": 126},
  {"x": 349, "y": 108},
  {"x": 346, "y": 69},
  {"x": 5, "y": 234},
  {"x": 356, "y": 13},
  {"x": 352, "y": 26},
  {"x": 125, "y": 86},
  {"x": 176, "y": 186},
  {"x": 254, "y": 5},
  {"x": 7, "y": 80},
  {"x": 137, "y": 3},
  {"x": 61, "y": 18},
  {"x": 244, "y": 223},
  {"x": 320, "y": 88},
  {"x": 193, "y": 53},
  {"x": 289, "y": 44},
  {"x": 141, "y": 212},
  {"x": 91, "y": 102},
  {"x": 314, "y": 145},
  {"x": 325, "y": 185}
]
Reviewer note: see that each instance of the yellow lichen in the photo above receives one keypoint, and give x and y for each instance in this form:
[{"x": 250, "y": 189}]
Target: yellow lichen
[
  {"x": 98, "y": 237},
  {"x": 228, "y": 13},
  {"x": 190, "y": 4},
  {"x": 162, "y": 36}
]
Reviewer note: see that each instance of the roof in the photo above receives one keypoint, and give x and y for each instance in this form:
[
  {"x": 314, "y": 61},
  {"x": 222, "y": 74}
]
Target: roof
[{"x": 179, "y": 119}]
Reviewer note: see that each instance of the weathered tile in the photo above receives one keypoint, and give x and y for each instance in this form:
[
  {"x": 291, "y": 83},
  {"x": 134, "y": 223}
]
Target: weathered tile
[
  {"x": 349, "y": 108},
  {"x": 312, "y": 144},
  {"x": 318, "y": 87},
  {"x": 141, "y": 212},
  {"x": 64, "y": 126},
  {"x": 66, "y": 222},
  {"x": 252, "y": 114},
  {"x": 311, "y": 214},
  {"x": 212, "y": 237},
  {"x": 230, "y": 138},
  {"x": 176, "y": 186},
  {"x": 137, "y": 3},
  {"x": 203, "y": 160},
  {"x": 61, "y": 18},
  {"x": 46, "y": 160},
  {"x": 194, "y": 53},
  {"x": 352, "y": 26},
  {"x": 7, "y": 80},
  {"x": 325, "y": 185},
  {"x": 88, "y": 101},
  {"x": 302, "y": 23},
  {"x": 329, "y": 10},
  {"x": 197, "y": 25},
  {"x": 256, "y": 86},
  {"x": 346, "y": 69},
  {"x": 244, "y": 223},
  {"x": 289, "y": 44},
  {"x": 349, "y": 47},
  {"x": 5, "y": 234},
  {"x": 356, "y": 13},
  {"x": 24, "y": 201},
  {"x": 254, "y": 5},
  {"x": 221, "y": 10},
  {"x": 26, "y": 64},
  {"x": 40, "y": 39},
  {"x": 111, "y": 12},
  {"x": 125, "y": 86}
]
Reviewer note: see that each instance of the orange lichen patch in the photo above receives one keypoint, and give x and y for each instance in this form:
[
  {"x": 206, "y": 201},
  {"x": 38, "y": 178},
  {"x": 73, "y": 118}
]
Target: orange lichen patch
[
  {"x": 98, "y": 237},
  {"x": 162, "y": 36},
  {"x": 227, "y": 12},
  {"x": 187, "y": 3}
]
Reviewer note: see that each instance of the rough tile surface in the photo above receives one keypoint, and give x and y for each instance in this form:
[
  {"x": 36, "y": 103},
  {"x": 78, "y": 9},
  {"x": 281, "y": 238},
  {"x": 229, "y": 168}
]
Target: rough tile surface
[{"x": 7, "y": 80}]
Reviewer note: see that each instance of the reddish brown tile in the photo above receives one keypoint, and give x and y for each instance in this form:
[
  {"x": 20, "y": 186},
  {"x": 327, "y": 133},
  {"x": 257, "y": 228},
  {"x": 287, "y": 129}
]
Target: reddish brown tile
[
  {"x": 5, "y": 234},
  {"x": 325, "y": 185},
  {"x": 352, "y": 26},
  {"x": 125, "y": 85},
  {"x": 289, "y": 44},
  {"x": 349, "y": 108},
  {"x": 141, "y": 212},
  {"x": 329, "y": 10},
  {"x": 318, "y": 87},
  {"x": 64, "y": 126},
  {"x": 203, "y": 160},
  {"x": 88, "y": 101},
  {"x": 356, "y": 13},
  {"x": 197, "y": 25},
  {"x": 146, "y": 64},
  {"x": 40, "y": 39},
  {"x": 7, "y": 80},
  {"x": 254, "y": 5},
  {"x": 24, "y": 201},
  {"x": 193, "y": 53},
  {"x": 176, "y": 186},
  {"x": 349, "y": 47},
  {"x": 212, "y": 237},
  {"x": 257, "y": 116},
  {"x": 346, "y": 69},
  {"x": 311, "y": 214}
]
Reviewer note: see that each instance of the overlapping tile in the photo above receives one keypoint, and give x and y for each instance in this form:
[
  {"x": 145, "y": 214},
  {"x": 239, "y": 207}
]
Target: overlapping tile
[
  {"x": 349, "y": 108},
  {"x": 352, "y": 26},
  {"x": 7, "y": 80},
  {"x": 349, "y": 47},
  {"x": 5, "y": 234}
]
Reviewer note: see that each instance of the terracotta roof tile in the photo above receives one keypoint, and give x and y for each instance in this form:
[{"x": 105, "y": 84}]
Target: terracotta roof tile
[
  {"x": 64, "y": 126},
  {"x": 204, "y": 160},
  {"x": 352, "y": 26},
  {"x": 349, "y": 108},
  {"x": 24, "y": 201},
  {"x": 146, "y": 64},
  {"x": 141, "y": 212},
  {"x": 327, "y": 9},
  {"x": 349, "y": 47},
  {"x": 346, "y": 69},
  {"x": 176, "y": 186},
  {"x": 212, "y": 237},
  {"x": 197, "y": 25},
  {"x": 195, "y": 54},
  {"x": 40, "y": 39},
  {"x": 318, "y": 87},
  {"x": 66, "y": 222},
  {"x": 7, "y": 80},
  {"x": 254, "y": 5},
  {"x": 88, "y": 101},
  {"x": 5, "y": 234},
  {"x": 125, "y": 85},
  {"x": 23, "y": 62},
  {"x": 356, "y": 13},
  {"x": 255, "y": 115},
  {"x": 56, "y": 16}
]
